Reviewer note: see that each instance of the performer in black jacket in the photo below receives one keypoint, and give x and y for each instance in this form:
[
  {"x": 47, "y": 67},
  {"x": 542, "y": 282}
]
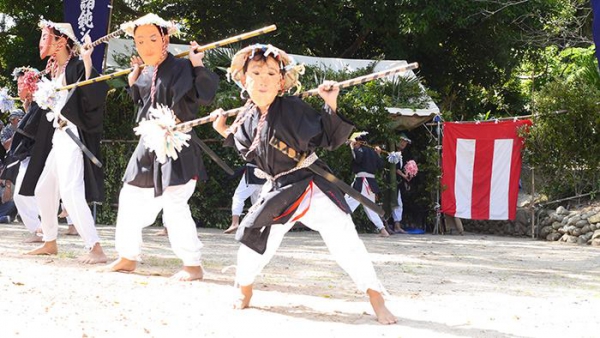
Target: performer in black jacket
[
  {"x": 293, "y": 192},
  {"x": 58, "y": 169},
  {"x": 403, "y": 181},
  {"x": 18, "y": 156},
  {"x": 149, "y": 184},
  {"x": 366, "y": 162}
]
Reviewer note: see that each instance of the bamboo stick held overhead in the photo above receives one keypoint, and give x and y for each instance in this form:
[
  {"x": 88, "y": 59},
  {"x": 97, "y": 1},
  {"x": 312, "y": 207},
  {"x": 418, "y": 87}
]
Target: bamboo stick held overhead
[
  {"x": 312, "y": 92},
  {"x": 107, "y": 37},
  {"x": 365, "y": 78},
  {"x": 202, "y": 48}
]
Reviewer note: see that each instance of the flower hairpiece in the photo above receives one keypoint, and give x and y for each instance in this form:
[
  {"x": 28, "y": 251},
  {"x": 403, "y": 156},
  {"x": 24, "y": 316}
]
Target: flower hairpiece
[
  {"x": 63, "y": 28},
  {"x": 30, "y": 80},
  {"x": 172, "y": 27},
  {"x": 292, "y": 71},
  {"x": 20, "y": 71}
]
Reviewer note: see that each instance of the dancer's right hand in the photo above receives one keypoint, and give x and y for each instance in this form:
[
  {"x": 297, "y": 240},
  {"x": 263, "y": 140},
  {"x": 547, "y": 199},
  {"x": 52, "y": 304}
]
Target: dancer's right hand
[
  {"x": 136, "y": 62},
  {"x": 219, "y": 123}
]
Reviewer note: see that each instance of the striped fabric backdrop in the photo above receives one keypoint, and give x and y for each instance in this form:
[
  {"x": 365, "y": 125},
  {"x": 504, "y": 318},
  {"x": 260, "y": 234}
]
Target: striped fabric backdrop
[{"x": 481, "y": 166}]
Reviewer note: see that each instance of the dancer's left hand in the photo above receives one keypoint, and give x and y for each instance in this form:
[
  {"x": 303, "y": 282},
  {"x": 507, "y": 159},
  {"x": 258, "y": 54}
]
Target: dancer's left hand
[
  {"x": 329, "y": 91},
  {"x": 86, "y": 55},
  {"x": 196, "y": 58}
]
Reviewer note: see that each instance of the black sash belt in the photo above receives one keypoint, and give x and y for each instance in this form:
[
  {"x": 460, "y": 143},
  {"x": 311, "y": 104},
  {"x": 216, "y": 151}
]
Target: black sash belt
[{"x": 292, "y": 153}]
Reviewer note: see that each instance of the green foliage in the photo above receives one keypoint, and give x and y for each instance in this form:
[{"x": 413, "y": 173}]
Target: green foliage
[
  {"x": 468, "y": 50},
  {"x": 564, "y": 146},
  {"x": 18, "y": 43}
]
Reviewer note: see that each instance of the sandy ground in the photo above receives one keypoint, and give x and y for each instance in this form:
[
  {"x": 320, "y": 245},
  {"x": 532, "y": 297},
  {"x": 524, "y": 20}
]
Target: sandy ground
[{"x": 440, "y": 286}]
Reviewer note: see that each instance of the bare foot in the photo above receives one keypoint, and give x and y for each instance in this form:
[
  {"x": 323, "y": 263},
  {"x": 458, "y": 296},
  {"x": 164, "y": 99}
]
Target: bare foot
[
  {"x": 63, "y": 214},
  {"x": 94, "y": 256},
  {"x": 48, "y": 248},
  {"x": 232, "y": 228},
  {"x": 71, "y": 231},
  {"x": 384, "y": 316},
  {"x": 243, "y": 301},
  {"x": 162, "y": 232},
  {"x": 189, "y": 273},
  {"x": 120, "y": 265},
  {"x": 34, "y": 238},
  {"x": 384, "y": 233},
  {"x": 398, "y": 228}
]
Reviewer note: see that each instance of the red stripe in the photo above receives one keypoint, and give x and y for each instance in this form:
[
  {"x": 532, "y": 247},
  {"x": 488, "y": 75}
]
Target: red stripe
[
  {"x": 310, "y": 188},
  {"x": 296, "y": 204},
  {"x": 515, "y": 171},
  {"x": 482, "y": 179},
  {"x": 448, "y": 197},
  {"x": 368, "y": 187}
]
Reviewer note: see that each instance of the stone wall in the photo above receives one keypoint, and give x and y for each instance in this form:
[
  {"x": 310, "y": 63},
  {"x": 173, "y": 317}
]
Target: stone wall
[
  {"x": 520, "y": 227},
  {"x": 577, "y": 226}
]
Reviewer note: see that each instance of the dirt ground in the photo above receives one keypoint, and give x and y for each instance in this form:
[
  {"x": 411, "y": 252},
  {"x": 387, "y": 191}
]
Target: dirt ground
[{"x": 439, "y": 285}]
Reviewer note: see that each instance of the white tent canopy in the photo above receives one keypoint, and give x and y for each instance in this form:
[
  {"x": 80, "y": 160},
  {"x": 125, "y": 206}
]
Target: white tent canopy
[{"x": 406, "y": 118}]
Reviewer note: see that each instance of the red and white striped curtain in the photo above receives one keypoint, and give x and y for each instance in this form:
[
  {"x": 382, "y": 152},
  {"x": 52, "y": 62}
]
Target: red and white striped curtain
[{"x": 481, "y": 166}]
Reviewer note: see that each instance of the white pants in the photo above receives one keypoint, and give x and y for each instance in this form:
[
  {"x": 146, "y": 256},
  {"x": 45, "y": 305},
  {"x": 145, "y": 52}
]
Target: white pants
[
  {"x": 138, "y": 209},
  {"x": 397, "y": 211},
  {"x": 241, "y": 194},
  {"x": 367, "y": 192},
  {"x": 26, "y": 205},
  {"x": 338, "y": 233},
  {"x": 62, "y": 178}
]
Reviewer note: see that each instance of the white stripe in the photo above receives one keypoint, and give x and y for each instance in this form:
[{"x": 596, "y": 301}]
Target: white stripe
[
  {"x": 500, "y": 178},
  {"x": 463, "y": 184}
]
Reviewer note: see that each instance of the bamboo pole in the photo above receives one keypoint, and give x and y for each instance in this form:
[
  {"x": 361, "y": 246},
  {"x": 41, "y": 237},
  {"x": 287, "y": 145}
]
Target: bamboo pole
[
  {"x": 343, "y": 84},
  {"x": 363, "y": 143},
  {"x": 202, "y": 48},
  {"x": 366, "y": 78}
]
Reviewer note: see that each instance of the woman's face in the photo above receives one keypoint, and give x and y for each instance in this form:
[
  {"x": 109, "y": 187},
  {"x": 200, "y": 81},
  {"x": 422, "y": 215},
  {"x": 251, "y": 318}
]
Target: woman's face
[
  {"x": 263, "y": 81},
  {"x": 149, "y": 44}
]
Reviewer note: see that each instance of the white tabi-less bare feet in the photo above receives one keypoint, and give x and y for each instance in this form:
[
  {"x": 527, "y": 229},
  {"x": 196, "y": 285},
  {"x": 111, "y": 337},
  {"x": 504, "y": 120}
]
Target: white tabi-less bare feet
[
  {"x": 189, "y": 273},
  {"x": 244, "y": 296},
  {"x": 384, "y": 316},
  {"x": 48, "y": 248},
  {"x": 94, "y": 256}
]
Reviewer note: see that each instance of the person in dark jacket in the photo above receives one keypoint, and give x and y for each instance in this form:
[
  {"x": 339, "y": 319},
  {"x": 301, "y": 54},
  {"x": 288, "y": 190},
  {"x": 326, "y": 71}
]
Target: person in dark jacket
[
  {"x": 403, "y": 181},
  {"x": 150, "y": 184},
  {"x": 366, "y": 162},
  {"x": 58, "y": 168},
  {"x": 19, "y": 154},
  {"x": 292, "y": 192}
]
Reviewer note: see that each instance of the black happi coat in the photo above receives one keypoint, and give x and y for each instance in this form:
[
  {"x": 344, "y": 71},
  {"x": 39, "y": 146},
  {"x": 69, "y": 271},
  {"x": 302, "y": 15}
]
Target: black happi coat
[
  {"x": 183, "y": 88},
  {"x": 302, "y": 128},
  {"x": 366, "y": 160},
  {"x": 85, "y": 109},
  {"x": 403, "y": 184},
  {"x": 22, "y": 142}
]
